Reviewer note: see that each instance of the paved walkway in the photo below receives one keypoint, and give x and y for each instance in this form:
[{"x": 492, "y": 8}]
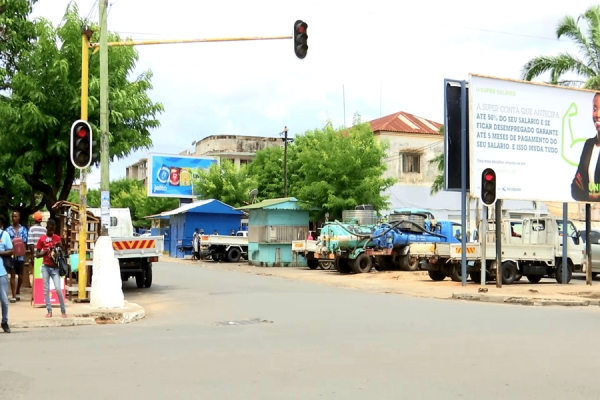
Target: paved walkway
[
  {"x": 23, "y": 314},
  {"x": 418, "y": 284}
]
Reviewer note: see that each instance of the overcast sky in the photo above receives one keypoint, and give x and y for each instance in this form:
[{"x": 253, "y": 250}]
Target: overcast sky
[{"x": 388, "y": 56}]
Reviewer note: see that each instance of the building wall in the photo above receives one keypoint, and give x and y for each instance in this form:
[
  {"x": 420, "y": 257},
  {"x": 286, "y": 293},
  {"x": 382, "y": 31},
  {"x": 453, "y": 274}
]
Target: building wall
[
  {"x": 239, "y": 149},
  {"x": 408, "y": 156}
]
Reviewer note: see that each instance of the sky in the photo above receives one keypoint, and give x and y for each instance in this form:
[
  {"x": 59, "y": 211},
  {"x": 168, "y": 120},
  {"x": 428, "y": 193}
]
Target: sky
[{"x": 372, "y": 58}]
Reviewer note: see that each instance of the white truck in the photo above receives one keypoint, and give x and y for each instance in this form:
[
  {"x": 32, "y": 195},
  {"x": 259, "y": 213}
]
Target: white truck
[
  {"x": 225, "y": 248},
  {"x": 135, "y": 253},
  {"x": 536, "y": 251},
  {"x": 311, "y": 250}
]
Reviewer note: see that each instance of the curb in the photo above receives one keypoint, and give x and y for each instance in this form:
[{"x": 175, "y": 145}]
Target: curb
[
  {"x": 133, "y": 312},
  {"x": 526, "y": 301}
]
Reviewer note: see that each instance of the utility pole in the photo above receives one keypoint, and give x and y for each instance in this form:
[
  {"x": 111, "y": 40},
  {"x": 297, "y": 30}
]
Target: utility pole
[
  {"x": 285, "y": 141},
  {"x": 104, "y": 151}
]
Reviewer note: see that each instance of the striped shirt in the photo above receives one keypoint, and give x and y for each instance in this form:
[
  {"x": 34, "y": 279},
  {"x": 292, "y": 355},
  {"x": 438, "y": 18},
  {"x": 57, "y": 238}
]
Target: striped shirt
[{"x": 35, "y": 233}]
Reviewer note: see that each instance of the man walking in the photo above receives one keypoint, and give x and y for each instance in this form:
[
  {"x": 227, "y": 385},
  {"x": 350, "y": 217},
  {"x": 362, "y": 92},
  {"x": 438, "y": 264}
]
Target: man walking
[
  {"x": 16, "y": 230},
  {"x": 49, "y": 266},
  {"x": 5, "y": 251}
]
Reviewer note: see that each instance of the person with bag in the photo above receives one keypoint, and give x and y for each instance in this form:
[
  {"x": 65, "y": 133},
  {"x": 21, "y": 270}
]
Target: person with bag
[
  {"x": 5, "y": 254},
  {"x": 50, "y": 270},
  {"x": 18, "y": 236}
]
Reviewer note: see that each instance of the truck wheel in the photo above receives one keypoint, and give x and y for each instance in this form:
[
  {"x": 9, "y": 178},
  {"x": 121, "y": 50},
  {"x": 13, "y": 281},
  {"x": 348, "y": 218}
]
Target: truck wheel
[
  {"x": 139, "y": 279},
  {"x": 559, "y": 270},
  {"x": 362, "y": 264},
  {"x": 234, "y": 254},
  {"x": 408, "y": 263},
  {"x": 384, "y": 263},
  {"x": 342, "y": 266},
  {"x": 456, "y": 273},
  {"x": 437, "y": 275},
  {"x": 327, "y": 265},
  {"x": 594, "y": 274},
  {"x": 509, "y": 272},
  {"x": 312, "y": 263},
  {"x": 534, "y": 278},
  {"x": 476, "y": 277},
  {"x": 148, "y": 279}
]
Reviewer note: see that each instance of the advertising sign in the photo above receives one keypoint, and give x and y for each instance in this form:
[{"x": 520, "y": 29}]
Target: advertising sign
[
  {"x": 541, "y": 140},
  {"x": 171, "y": 175}
]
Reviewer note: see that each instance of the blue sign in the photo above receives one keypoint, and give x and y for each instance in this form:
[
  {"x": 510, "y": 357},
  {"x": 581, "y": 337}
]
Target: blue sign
[{"x": 173, "y": 176}]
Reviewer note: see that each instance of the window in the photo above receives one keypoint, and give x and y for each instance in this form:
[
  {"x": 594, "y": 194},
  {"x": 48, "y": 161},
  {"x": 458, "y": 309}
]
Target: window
[{"x": 411, "y": 162}]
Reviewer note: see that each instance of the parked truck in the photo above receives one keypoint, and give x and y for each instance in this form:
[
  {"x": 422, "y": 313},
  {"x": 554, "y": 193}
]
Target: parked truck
[
  {"x": 135, "y": 253},
  {"x": 225, "y": 248},
  {"x": 535, "y": 252}
]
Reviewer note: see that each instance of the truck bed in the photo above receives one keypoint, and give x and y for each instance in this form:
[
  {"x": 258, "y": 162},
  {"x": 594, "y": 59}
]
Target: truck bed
[
  {"x": 453, "y": 251},
  {"x": 301, "y": 246},
  {"x": 207, "y": 240},
  {"x": 138, "y": 246}
]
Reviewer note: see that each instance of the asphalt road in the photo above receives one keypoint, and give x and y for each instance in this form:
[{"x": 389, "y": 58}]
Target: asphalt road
[{"x": 323, "y": 342}]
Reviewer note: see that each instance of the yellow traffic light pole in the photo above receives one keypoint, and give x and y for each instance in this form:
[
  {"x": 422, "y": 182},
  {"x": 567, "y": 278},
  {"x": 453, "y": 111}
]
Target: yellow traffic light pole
[
  {"x": 82, "y": 268},
  {"x": 96, "y": 46}
]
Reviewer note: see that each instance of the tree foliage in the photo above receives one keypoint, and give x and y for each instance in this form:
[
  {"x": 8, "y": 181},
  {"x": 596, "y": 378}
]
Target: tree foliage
[
  {"x": 438, "y": 182},
  {"x": 338, "y": 169},
  {"x": 16, "y": 35},
  {"x": 132, "y": 194},
  {"x": 267, "y": 171},
  {"x": 584, "y": 32},
  {"x": 45, "y": 98},
  {"x": 224, "y": 182}
]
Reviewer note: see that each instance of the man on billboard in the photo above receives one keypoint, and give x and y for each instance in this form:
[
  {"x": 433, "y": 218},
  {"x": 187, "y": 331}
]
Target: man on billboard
[{"x": 586, "y": 184}]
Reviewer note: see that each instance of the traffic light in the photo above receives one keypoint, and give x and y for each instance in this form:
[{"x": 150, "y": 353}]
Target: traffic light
[
  {"x": 81, "y": 144},
  {"x": 488, "y": 186},
  {"x": 300, "y": 39}
]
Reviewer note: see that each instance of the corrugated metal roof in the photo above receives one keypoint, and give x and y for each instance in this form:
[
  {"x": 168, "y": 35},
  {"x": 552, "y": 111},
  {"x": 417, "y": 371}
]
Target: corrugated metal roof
[
  {"x": 268, "y": 203},
  {"x": 404, "y": 122}
]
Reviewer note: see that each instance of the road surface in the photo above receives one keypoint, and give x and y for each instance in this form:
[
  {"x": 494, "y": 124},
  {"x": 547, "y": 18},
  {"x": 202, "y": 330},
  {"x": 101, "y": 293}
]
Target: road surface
[{"x": 318, "y": 342}]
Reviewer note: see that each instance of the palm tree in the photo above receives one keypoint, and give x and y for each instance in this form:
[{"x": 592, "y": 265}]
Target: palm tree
[
  {"x": 587, "y": 66},
  {"x": 438, "y": 182}
]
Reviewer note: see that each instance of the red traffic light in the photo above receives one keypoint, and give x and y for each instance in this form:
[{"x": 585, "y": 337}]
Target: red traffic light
[
  {"x": 81, "y": 133},
  {"x": 301, "y": 28},
  {"x": 488, "y": 177}
]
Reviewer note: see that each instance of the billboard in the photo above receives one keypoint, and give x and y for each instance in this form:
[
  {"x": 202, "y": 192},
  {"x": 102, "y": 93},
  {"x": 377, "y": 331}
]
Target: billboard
[
  {"x": 541, "y": 140},
  {"x": 172, "y": 175},
  {"x": 452, "y": 136}
]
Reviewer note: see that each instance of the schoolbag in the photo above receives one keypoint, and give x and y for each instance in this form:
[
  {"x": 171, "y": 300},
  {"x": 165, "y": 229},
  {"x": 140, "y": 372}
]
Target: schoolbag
[{"x": 19, "y": 248}]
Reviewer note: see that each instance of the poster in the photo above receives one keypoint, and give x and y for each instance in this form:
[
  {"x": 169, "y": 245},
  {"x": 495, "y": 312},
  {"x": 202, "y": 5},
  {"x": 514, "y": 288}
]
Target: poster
[
  {"x": 38, "y": 287},
  {"x": 105, "y": 209},
  {"x": 172, "y": 176},
  {"x": 539, "y": 139}
]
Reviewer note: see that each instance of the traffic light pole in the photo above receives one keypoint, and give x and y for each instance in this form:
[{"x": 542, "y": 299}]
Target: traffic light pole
[
  {"x": 82, "y": 267},
  {"x": 104, "y": 151}
]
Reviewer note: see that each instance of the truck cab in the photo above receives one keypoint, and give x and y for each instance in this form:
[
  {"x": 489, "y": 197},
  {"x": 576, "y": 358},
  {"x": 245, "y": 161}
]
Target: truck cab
[{"x": 121, "y": 224}]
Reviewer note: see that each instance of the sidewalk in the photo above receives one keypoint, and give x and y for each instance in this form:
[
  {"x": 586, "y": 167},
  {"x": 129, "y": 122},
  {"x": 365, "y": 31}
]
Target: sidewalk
[
  {"x": 418, "y": 284},
  {"x": 23, "y": 315}
]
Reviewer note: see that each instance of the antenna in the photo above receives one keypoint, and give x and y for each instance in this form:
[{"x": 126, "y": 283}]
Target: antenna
[{"x": 253, "y": 193}]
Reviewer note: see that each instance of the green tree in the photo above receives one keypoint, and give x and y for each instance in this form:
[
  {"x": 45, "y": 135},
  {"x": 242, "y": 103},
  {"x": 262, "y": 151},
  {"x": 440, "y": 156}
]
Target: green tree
[
  {"x": 438, "y": 182},
  {"x": 44, "y": 100},
  {"x": 16, "y": 35},
  {"x": 338, "y": 169},
  {"x": 267, "y": 171},
  {"x": 132, "y": 194},
  {"x": 225, "y": 183},
  {"x": 586, "y": 66}
]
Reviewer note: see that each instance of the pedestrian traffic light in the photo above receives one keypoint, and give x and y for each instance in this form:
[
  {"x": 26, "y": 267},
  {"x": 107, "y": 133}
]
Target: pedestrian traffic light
[
  {"x": 300, "y": 39},
  {"x": 488, "y": 186},
  {"x": 81, "y": 144}
]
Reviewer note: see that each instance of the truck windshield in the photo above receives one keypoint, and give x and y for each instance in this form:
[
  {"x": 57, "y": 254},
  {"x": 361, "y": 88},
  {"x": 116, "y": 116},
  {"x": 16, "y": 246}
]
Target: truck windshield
[{"x": 571, "y": 231}]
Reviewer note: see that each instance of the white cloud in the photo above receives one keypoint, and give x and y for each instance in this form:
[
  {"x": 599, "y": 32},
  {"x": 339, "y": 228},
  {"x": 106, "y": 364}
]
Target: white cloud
[{"x": 388, "y": 56}]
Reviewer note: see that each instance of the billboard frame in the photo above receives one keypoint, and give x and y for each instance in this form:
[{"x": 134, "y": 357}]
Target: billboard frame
[{"x": 455, "y": 83}]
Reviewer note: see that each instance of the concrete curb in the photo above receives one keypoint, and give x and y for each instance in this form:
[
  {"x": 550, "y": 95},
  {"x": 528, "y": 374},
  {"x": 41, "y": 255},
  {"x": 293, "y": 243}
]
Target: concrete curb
[
  {"x": 131, "y": 313},
  {"x": 526, "y": 301}
]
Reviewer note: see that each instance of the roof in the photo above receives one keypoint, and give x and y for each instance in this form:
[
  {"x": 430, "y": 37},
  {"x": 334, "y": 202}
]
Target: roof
[
  {"x": 196, "y": 206},
  {"x": 404, "y": 122},
  {"x": 272, "y": 204}
]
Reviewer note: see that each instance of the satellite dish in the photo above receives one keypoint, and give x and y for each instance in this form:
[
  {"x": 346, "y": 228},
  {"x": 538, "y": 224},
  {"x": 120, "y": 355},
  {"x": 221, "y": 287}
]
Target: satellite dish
[{"x": 253, "y": 193}]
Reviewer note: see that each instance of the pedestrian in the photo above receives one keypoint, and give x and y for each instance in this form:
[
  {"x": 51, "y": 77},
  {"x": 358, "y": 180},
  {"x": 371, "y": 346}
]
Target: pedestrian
[
  {"x": 44, "y": 247},
  {"x": 232, "y": 232},
  {"x": 36, "y": 231},
  {"x": 18, "y": 262},
  {"x": 310, "y": 237},
  {"x": 5, "y": 251},
  {"x": 196, "y": 245}
]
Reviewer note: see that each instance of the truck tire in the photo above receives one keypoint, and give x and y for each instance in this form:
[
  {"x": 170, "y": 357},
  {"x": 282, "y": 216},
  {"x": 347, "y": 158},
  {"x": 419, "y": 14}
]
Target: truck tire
[
  {"x": 342, "y": 266},
  {"x": 362, "y": 264},
  {"x": 534, "y": 278},
  {"x": 456, "y": 273},
  {"x": 383, "y": 263},
  {"x": 234, "y": 254},
  {"x": 408, "y": 263},
  {"x": 326, "y": 265},
  {"x": 139, "y": 279},
  {"x": 476, "y": 277},
  {"x": 148, "y": 278},
  {"x": 558, "y": 274},
  {"x": 509, "y": 272},
  {"x": 437, "y": 275},
  {"x": 312, "y": 263}
]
